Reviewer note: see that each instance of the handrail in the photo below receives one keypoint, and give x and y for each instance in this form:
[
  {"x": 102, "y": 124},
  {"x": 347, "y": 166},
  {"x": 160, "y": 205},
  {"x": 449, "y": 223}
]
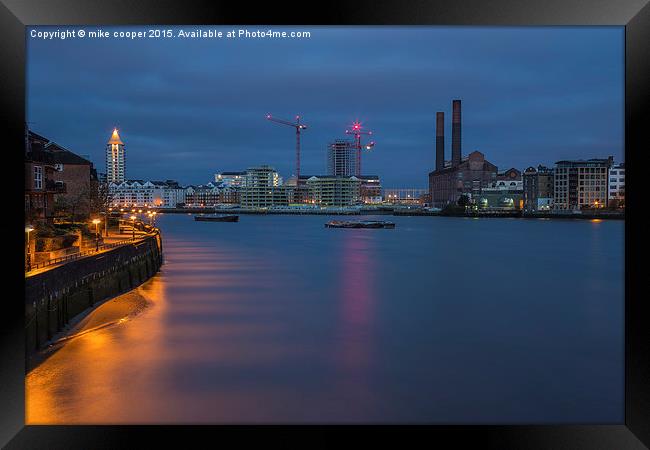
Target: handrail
[{"x": 78, "y": 255}]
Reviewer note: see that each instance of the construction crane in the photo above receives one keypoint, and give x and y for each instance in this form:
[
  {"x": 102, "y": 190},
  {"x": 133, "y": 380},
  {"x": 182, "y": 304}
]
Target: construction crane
[
  {"x": 299, "y": 127},
  {"x": 356, "y": 131}
]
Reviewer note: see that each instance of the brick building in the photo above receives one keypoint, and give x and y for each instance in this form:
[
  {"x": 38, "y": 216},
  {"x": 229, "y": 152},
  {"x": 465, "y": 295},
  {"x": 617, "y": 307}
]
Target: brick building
[
  {"x": 451, "y": 179},
  {"x": 73, "y": 175},
  {"x": 470, "y": 176},
  {"x": 39, "y": 185}
]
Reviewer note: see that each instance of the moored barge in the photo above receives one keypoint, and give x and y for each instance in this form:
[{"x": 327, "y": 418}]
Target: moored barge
[
  {"x": 359, "y": 224},
  {"x": 221, "y": 218}
]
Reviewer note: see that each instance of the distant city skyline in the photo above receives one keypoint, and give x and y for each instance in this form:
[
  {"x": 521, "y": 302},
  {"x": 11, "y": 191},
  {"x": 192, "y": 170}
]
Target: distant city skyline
[{"x": 186, "y": 109}]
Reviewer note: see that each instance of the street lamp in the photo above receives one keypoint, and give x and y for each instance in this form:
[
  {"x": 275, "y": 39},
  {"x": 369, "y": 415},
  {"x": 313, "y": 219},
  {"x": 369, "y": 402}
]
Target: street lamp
[
  {"x": 29, "y": 229},
  {"x": 96, "y": 222},
  {"x": 154, "y": 218},
  {"x": 133, "y": 226}
]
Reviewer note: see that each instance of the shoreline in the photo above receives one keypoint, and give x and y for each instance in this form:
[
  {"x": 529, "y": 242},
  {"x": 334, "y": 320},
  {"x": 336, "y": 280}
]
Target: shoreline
[
  {"x": 112, "y": 311},
  {"x": 480, "y": 215}
]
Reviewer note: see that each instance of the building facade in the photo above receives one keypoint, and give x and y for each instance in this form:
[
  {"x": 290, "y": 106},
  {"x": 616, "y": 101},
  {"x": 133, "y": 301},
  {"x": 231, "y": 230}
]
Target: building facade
[
  {"x": 144, "y": 194},
  {"x": 341, "y": 158},
  {"x": 39, "y": 184},
  {"x": 538, "y": 188},
  {"x": 617, "y": 185},
  {"x": 470, "y": 177},
  {"x": 581, "y": 184},
  {"x": 230, "y": 179},
  {"x": 115, "y": 159},
  {"x": 73, "y": 175},
  {"x": 263, "y": 188},
  {"x": 405, "y": 196},
  {"x": 370, "y": 189},
  {"x": 334, "y": 191}
]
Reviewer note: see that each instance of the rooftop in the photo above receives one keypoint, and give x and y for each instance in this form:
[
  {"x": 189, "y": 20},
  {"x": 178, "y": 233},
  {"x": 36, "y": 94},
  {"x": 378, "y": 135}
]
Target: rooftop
[{"x": 115, "y": 138}]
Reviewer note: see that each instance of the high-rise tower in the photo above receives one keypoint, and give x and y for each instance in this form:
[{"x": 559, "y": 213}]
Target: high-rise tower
[
  {"x": 115, "y": 164},
  {"x": 341, "y": 161}
]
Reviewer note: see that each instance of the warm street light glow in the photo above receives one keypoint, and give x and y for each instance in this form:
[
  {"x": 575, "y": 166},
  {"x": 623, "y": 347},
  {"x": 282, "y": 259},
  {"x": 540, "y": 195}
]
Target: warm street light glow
[
  {"x": 29, "y": 229},
  {"x": 96, "y": 221},
  {"x": 132, "y": 217}
]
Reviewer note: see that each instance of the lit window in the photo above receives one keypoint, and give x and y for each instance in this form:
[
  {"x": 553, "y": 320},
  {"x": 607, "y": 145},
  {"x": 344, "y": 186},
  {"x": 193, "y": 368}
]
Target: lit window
[{"x": 38, "y": 177}]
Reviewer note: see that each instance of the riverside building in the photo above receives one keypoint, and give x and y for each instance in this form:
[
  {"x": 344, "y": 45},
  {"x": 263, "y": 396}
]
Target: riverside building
[
  {"x": 262, "y": 188},
  {"x": 143, "y": 194},
  {"x": 581, "y": 184},
  {"x": 230, "y": 179},
  {"x": 538, "y": 187},
  {"x": 331, "y": 190},
  {"x": 617, "y": 185},
  {"x": 460, "y": 176}
]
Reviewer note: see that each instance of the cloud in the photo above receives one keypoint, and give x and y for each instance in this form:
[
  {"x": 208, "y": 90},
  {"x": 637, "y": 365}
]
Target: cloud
[{"x": 188, "y": 108}]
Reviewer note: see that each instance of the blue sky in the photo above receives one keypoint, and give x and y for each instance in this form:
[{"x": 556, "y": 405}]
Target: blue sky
[{"x": 189, "y": 108}]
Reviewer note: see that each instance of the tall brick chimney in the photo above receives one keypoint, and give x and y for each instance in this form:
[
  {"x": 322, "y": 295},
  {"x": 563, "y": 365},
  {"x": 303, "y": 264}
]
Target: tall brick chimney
[
  {"x": 455, "y": 134},
  {"x": 440, "y": 140}
]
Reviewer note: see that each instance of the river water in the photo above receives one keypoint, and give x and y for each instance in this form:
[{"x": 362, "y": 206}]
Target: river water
[{"x": 278, "y": 319}]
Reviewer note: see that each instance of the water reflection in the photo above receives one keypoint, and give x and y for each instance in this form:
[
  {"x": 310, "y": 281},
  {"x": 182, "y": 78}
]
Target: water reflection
[
  {"x": 281, "y": 320},
  {"x": 356, "y": 299}
]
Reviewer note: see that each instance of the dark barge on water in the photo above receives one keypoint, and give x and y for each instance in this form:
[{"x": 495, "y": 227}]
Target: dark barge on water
[
  {"x": 359, "y": 224},
  {"x": 221, "y": 218}
]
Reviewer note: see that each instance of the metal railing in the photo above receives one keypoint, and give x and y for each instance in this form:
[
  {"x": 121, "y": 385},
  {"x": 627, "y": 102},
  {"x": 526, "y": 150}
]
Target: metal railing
[{"x": 78, "y": 255}]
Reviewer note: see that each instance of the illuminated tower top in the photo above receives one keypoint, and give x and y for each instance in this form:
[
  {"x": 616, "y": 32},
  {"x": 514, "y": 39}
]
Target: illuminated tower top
[
  {"x": 115, "y": 159},
  {"x": 115, "y": 138}
]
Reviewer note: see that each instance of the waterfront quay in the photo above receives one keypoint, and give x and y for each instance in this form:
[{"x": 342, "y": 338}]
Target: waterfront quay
[
  {"x": 405, "y": 211},
  {"x": 59, "y": 294}
]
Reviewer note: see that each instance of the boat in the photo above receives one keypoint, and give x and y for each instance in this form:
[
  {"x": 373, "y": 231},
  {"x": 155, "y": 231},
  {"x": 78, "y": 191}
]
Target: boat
[
  {"x": 359, "y": 224},
  {"x": 220, "y": 218}
]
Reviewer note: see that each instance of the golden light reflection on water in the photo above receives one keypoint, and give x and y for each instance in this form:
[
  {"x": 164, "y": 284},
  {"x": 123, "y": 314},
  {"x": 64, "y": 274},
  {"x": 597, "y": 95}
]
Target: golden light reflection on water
[
  {"x": 129, "y": 372},
  {"x": 274, "y": 329}
]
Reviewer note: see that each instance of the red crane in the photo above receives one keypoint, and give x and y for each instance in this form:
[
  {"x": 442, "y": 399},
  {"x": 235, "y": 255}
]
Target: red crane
[
  {"x": 356, "y": 131},
  {"x": 298, "y": 126}
]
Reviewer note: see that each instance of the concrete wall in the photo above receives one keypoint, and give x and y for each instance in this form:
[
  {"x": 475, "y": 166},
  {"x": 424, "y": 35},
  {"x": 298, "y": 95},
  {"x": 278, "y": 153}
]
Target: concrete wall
[{"x": 54, "y": 297}]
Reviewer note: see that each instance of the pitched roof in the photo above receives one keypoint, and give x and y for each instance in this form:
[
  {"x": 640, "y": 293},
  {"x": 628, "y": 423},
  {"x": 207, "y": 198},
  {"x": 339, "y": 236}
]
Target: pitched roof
[{"x": 61, "y": 155}]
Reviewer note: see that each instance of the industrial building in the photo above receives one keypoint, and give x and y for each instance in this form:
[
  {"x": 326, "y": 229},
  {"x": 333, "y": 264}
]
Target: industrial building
[{"x": 451, "y": 179}]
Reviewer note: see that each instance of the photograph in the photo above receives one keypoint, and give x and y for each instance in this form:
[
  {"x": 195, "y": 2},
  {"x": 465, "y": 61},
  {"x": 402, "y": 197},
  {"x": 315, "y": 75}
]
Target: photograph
[{"x": 324, "y": 225}]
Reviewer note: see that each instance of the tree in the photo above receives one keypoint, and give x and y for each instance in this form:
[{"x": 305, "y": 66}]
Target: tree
[
  {"x": 99, "y": 197},
  {"x": 463, "y": 200}
]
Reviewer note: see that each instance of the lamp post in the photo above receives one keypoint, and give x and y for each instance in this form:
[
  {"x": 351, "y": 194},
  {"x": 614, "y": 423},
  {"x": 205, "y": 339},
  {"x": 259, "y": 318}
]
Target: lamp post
[
  {"x": 154, "y": 218},
  {"x": 96, "y": 222},
  {"x": 29, "y": 229},
  {"x": 133, "y": 226}
]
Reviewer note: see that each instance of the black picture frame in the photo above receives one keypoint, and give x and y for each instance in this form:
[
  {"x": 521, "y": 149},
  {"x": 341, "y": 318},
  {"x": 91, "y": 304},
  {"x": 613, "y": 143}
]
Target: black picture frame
[{"x": 633, "y": 14}]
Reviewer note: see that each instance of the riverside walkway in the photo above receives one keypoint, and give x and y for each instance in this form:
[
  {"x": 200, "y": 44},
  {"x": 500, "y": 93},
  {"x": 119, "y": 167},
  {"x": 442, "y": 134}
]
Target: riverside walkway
[{"x": 125, "y": 236}]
